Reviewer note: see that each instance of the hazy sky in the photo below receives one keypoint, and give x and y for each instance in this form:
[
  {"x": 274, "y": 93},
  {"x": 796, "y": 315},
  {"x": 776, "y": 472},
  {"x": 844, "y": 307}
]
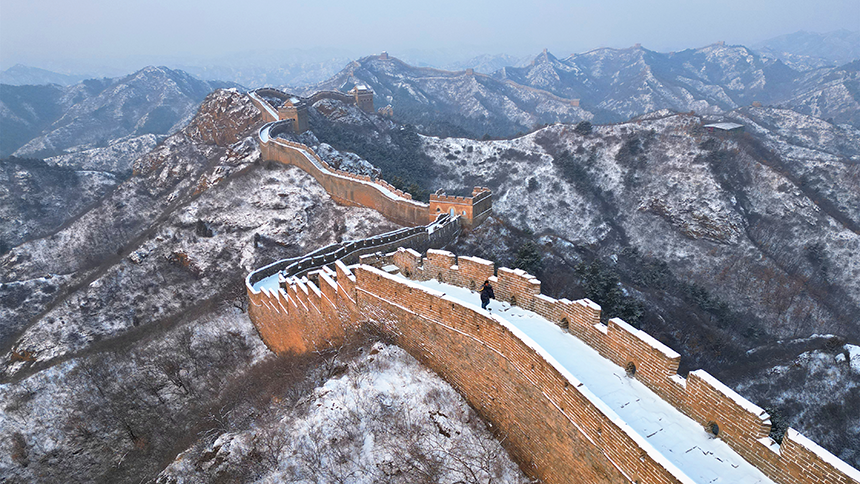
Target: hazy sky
[{"x": 105, "y": 32}]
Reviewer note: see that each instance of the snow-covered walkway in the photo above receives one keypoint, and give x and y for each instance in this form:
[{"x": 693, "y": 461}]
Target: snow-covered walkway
[{"x": 682, "y": 441}]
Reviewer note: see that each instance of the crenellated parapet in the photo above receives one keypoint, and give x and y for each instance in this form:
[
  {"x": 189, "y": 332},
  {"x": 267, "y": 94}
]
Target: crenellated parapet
[{"x": 553, "y": 425}]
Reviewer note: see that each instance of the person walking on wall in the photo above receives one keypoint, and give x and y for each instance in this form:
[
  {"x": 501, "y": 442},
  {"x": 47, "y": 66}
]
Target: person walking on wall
[{"x": 486, "y": 294}]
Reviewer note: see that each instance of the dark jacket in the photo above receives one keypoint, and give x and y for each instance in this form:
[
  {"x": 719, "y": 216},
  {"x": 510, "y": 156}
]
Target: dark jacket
[{"x": 487, "y": 293}]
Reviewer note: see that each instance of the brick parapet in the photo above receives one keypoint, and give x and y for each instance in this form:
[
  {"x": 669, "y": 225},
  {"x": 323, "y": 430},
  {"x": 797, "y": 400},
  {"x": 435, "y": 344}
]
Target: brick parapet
[
  {"x": 741, "y": 424},
  {"x": 538, "y": 409},
  {"x": 517, "y": 287}
]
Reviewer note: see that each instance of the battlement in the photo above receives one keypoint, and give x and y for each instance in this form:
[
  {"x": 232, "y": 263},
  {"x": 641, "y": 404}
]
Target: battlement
[{"x": 554, "y": 427}]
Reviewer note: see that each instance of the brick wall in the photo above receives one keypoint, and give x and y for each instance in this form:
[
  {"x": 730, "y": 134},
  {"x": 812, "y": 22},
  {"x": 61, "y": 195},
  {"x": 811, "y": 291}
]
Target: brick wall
[
  {"x": 554, "y": 430},
  {"x": 741, "y": 424},
  {"x": 350, "y": 189},
  {"x": 347, "y": 189}
]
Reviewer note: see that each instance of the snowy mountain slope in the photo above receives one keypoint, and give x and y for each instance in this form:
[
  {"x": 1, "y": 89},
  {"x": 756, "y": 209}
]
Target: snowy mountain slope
[
  {"x": 830, "y": 93},
  {"x": 102, "y": 234},
  {"x": 134, "y": 314},
  {"x": 113, "y": 415},
  {"x": 25, "y": 111},
  {"x": 154, "y": 100},
  {"x": 384, "y": 418},
  {"x": 444, "y": 100},
  {"x": 117, "y": 156},
  {"x": 816, "y": 391},
  {"x": 36, "y": 198}
]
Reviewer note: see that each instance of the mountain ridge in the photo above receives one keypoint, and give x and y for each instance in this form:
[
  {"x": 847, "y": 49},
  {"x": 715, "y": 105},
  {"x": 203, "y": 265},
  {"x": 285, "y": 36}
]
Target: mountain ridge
[
  {"x": 153, "y": 100},
  {"x": 602, "y": 85}
]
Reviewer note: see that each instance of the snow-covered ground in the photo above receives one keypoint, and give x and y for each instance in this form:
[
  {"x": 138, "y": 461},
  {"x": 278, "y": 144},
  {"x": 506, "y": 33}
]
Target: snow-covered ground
[
  {"x": 382, "y": 418},
  {"x": 679, "y": 439}
]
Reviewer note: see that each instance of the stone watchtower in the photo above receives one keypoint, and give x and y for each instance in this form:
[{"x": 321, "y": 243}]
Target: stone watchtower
[
  {"x": 296, "y": 110},
  {"x": 363, "y": 97}
]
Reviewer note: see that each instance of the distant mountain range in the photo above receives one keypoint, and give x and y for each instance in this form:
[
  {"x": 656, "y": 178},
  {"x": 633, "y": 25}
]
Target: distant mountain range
[
  {"x": 50, "y": 120},
  {"x": 463, "y": 103},
  {"x": 21, "y": 75},
  {"x": 300, "y": 67},
  {"x": 477, "y": 99},
  {"x": 604, "y": 85},
  {"x": 803, "y": 50}
]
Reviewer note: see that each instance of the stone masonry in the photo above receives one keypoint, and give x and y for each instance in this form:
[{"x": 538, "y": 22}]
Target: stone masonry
[{"x": 552, "y": 429}]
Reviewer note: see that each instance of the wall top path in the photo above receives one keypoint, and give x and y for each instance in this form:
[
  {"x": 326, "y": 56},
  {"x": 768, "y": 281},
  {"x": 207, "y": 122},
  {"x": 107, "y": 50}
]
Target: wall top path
[
  {"x": 655, "y": 425},
  {"x": 716, "y": 410}
]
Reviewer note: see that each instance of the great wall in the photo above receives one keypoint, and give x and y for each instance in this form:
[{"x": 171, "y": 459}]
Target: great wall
[
  {"x": 351, "y": 189},
  {"x": 555, "y": 426}
]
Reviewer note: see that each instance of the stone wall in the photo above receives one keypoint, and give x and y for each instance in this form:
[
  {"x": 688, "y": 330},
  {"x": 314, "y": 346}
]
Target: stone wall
[
  {"x": 350, "y": 189},
  {"x": 555, "y": 430}
]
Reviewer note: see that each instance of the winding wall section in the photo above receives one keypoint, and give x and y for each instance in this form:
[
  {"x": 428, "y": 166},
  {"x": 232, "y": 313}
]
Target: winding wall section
[
  {"x": 552, "y": 426},
  {"x": 349, "y": 189}
]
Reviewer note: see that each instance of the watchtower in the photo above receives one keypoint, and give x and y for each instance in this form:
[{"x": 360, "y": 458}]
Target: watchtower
[
  {"x": 363, "y": 97},
  {"x": 296, "y": 110}
]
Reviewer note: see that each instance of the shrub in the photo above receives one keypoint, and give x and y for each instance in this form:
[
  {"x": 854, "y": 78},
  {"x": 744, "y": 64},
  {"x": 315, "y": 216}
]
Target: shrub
[
  {"x": 529, "y": 258},
  {"x": 583, "y": 127},
  {"x": 602, "y": 285}
]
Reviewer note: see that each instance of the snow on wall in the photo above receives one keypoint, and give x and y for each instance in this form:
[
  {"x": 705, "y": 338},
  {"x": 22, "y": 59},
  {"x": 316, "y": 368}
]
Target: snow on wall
[{"x": 572, "y": 436}]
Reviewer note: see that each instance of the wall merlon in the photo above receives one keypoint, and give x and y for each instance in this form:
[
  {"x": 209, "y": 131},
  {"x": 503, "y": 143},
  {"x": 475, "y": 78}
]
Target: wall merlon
[{"x": 328, "y": 285}]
